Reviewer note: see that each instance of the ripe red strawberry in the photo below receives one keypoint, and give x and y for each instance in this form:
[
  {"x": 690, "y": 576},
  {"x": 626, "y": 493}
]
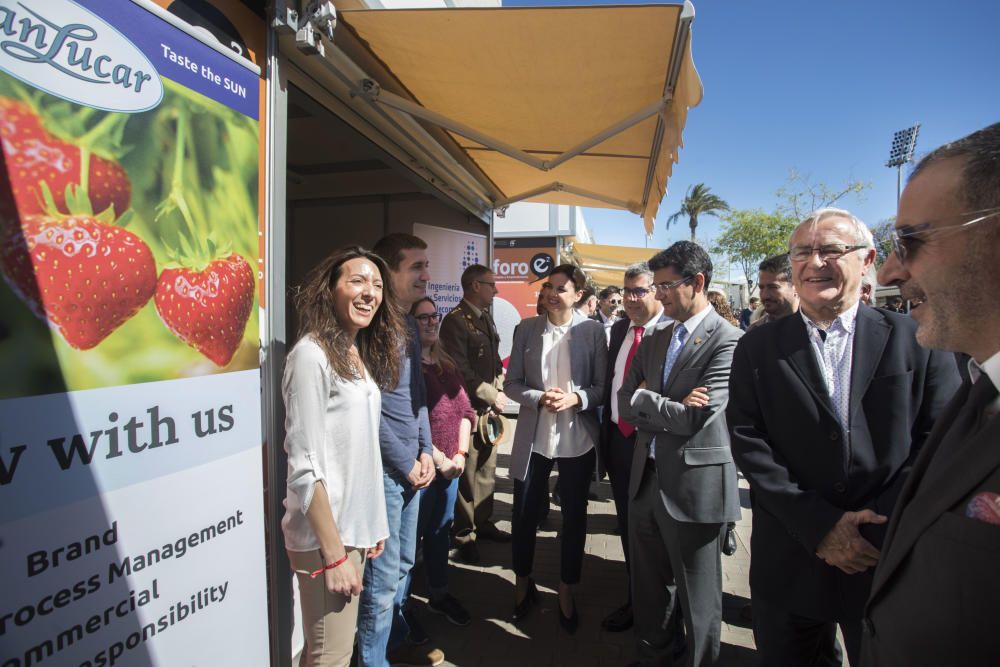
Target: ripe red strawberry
[
  {"x": 208, "y": 309},
  {"x": 32, "y": 156},
  {"x": 83, "y": 276}
]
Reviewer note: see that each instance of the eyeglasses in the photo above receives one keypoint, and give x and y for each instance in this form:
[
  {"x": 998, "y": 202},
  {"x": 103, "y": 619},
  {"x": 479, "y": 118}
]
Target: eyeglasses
[
  {"x": 615, "y": 302},
  {"x": 638, "y": 292},
  {"x": 428, "y": 317},
  {"x": 906, "y": 241},
  {"x": 677, "y": 283},
  {"x": 826, "y": 252},
  {"x": 485, "y": 282}
]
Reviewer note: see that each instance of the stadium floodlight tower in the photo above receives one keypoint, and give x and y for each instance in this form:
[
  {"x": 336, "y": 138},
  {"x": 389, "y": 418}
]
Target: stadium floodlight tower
[{"x": 904, "y": 143}]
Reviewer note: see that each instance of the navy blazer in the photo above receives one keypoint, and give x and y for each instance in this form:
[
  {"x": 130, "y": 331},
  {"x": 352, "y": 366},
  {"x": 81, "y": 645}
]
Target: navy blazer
[{"x": 804, "y": 472}]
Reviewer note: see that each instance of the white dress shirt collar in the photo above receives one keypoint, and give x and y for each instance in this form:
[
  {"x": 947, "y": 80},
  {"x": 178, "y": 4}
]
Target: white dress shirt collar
[
  {"x": 990, "y": 367},
  {"x": 847, "y": 319},
  {"x": 561, "y": 328},
  {"x": 693, "y": 322}
]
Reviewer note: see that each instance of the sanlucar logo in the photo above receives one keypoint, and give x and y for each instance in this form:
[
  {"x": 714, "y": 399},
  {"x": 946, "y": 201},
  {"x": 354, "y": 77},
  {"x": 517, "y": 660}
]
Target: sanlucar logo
[{"x": 63, "y": 49}]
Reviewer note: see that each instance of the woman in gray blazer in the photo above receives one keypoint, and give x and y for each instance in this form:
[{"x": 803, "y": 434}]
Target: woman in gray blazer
[{"x": 556, "y": 373}]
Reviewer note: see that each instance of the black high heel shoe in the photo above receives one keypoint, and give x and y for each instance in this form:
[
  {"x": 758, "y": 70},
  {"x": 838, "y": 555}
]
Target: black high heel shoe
[
  {"x": 522, "y": 608},
  {"x": 569, "y": 623}
]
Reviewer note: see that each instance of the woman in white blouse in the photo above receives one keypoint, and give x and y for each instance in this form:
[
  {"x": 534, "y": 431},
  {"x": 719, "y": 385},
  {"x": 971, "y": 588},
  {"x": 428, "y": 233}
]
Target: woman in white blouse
[
  {"x": 556, "y": 373},
  {"x": 335, "y": 512}
]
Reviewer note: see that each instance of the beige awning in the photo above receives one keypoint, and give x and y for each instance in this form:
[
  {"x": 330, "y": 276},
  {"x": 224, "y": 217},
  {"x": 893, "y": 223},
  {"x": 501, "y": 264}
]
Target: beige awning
[
  {"x": 606, "y": 264},
  {"x": 564, "y": 105}
]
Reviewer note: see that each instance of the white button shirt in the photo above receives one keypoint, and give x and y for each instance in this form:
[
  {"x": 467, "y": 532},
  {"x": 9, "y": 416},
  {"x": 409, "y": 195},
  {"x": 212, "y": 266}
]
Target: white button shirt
[
  {"x": 834, "y": 352},
  {"x": 553, "y": 434},
  {"x": 991, "y": 369}
]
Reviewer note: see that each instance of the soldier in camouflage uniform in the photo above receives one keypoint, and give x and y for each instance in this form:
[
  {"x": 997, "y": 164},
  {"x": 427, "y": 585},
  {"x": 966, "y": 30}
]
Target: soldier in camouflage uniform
[{"x": 469, "y": 335}]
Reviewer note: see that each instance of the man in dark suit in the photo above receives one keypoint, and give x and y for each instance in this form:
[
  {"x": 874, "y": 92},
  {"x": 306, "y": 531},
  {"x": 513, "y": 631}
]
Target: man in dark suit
[
  {"x": 936, "y": 590},
  {"x": 609, "y": 303},
  {"x": 587, "y": 305},
  {"x": 827, "y": 410},
  {"x": 469, "y": 335},
  {"x": 683, "y": 482},
  {"x": 777, "y": 293},
  {"x": 617, "y": 435}
]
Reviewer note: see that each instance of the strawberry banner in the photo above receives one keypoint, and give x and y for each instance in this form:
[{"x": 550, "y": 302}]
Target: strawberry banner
[{"x": 130, "y": 457}]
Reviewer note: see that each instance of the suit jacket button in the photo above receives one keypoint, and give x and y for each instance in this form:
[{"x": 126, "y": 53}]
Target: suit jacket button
[
  {"x": 834, "y": 435},
  {"x": 840, "y": 487}
]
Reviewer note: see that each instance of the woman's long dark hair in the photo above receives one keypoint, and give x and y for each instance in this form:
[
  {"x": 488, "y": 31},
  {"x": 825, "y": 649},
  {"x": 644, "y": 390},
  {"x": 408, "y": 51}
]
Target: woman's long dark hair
[{"x": 380, "y": 344}]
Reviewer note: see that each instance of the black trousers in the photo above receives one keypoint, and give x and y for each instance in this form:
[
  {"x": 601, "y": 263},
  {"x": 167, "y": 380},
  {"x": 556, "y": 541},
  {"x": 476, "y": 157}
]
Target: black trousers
[
  {"x": 529, "y": 497},
  {"x": 783, "y": 638},
  {"x": 618, "y": 459}
]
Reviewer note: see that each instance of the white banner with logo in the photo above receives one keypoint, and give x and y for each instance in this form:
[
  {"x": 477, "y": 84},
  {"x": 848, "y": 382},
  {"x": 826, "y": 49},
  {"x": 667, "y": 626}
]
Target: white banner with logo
[
  {"x": 131, "y": 502},
  {"x": 450, "y": 252}
]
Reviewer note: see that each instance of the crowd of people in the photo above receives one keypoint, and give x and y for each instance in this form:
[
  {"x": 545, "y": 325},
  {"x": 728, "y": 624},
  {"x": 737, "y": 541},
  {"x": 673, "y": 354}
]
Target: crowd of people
[{"x": 873, "y": 464}]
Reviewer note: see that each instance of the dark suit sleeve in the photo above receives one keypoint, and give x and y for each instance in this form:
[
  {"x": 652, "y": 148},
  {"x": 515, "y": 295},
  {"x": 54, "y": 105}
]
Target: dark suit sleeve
[
  {"x": 804, "y": 513},
  {"x": 593, "y": 396},
  {"x": 941, "y": 381},
  {"x": 455, "y": 341},
  {"x": 636, "y": 376}
]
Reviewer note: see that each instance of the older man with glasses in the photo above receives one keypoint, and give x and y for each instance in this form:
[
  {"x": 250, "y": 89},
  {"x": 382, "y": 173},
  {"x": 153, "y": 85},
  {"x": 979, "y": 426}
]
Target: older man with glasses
[
  {"x": 827, "y": 410},
  {"x": 934, "y": 597}
]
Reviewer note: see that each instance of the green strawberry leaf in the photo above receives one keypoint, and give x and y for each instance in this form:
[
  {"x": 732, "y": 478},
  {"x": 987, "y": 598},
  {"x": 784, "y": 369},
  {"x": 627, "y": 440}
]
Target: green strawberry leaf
[
  {"x": 48, "y": 201},
  {"x": 77, "y": 200},
  {"x": 125, "y": 218},
  {"x": 87, "y": 128},
  {"x": 187, "y": 250}
]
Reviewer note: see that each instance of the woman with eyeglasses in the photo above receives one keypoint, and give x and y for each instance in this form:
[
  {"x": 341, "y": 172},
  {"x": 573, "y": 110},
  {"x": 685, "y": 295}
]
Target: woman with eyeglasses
[
  {"x": 335, "y": 512},
  {"x": 452, "y": 418},
  {"x": 556, "y": 373}
]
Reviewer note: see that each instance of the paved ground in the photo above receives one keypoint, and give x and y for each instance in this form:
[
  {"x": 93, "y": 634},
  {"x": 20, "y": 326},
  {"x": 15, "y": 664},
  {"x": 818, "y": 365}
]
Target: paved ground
[{"x": 487, "y": 591}]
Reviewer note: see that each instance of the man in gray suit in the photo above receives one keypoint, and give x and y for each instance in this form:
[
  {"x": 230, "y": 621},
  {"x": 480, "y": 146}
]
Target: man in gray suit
[
  {"x": 934, "y": 597},
  {"x": 683, "y": 487}
]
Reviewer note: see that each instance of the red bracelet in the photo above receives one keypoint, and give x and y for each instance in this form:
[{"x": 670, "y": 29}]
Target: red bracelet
[
  {"x": 464, "y": 455},
  {"x": 336, "y": 563}
]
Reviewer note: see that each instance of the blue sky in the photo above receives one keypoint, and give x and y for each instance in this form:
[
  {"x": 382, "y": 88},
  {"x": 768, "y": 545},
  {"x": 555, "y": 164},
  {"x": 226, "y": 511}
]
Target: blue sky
[{"x": 820, "y": 86}]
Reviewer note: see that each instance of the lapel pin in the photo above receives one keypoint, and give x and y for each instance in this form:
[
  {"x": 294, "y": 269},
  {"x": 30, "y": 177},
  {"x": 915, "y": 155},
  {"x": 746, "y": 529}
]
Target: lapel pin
[{"x": 697, "y": 341}]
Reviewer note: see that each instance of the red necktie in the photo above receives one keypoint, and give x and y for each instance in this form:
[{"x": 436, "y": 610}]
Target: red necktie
[{"x": 623, "y": 426}]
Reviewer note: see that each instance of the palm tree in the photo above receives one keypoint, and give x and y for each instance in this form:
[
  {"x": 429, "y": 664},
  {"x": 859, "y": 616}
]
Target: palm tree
[{"x": 698, "y": 200}]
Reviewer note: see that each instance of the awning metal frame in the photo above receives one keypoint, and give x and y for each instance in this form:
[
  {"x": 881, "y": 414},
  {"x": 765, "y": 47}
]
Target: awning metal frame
[
  {"x": 311, "y": 38},
  {"x": 315, "y": 37},
  {"x": 556, "y": 186},
  {"x": 373, "y": 91},
  {"x": 681, "y": 44}
]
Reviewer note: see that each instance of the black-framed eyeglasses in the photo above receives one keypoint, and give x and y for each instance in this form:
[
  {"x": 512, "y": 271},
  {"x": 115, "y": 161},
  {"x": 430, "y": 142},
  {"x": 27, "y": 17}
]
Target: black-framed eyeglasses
[
  {"x": 677, "y": 283},
  {"x": 638, "y": 292},
  {"x": 826, "y": 252},
  {"x": 907, "y": 239},
  {"x": 486, "y": 282},
  {"x": 428, "y": 317}
]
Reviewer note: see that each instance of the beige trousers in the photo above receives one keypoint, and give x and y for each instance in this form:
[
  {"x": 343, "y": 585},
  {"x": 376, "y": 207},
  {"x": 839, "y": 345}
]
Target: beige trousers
[{"x": 329, "y": 620}]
